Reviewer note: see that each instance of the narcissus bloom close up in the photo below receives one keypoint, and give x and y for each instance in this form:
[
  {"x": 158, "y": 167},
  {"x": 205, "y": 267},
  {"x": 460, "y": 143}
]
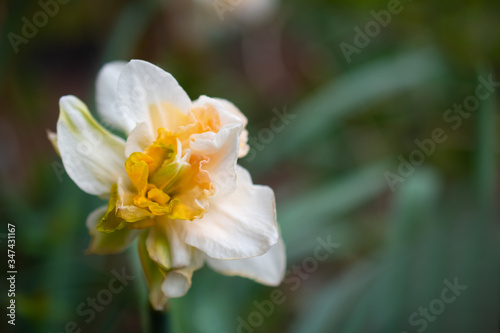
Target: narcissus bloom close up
[{"x": 174, "y": 183}]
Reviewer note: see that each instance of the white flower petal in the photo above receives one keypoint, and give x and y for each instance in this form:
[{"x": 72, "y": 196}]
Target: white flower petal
[
  {"x": 92, "y": 156},
  {"x": 225, "y": 109},
  {"x": 158, "y": 247},
  {"x": 222, "y": 151},
  {"x": 241, "y": 225},
  {"x": 183, "y": 255},
  {"x": 222, "y": 147},
  {"x": 139, "y": 139},
  {"x": 107, "y": 243},
  {"x": 125, "y": 207},
  {"x": 154, "y": 276},
  {"x": 167, "y": 248},
  {"x": 244, "y": 147},
  {"x": 184, "y": 259},
  {"x": 177, "y": 282},
  {"x": 268, "y": 269},
  {"x": 106, "y": 97},
  {"x": 146, "y": 93}
]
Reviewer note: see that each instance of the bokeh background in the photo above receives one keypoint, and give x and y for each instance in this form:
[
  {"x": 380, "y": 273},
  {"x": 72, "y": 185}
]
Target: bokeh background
[{"x": 355, "y": 119}]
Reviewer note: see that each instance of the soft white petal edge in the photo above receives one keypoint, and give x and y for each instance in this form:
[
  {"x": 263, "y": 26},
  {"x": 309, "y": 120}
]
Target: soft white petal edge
[
  {"x": 142, "y": 86},
  {"x": 238, "y": 226},
  {"x": 106, "y": 97},
  {"x": 222, "y": 147},
  {"x": 92, "y": 156},
  {"x": 244, "y": 147},
  {"x": 224, "y": 108},
  {"x": 268, "y": 269},
  {"x": 222, "y": 150}
]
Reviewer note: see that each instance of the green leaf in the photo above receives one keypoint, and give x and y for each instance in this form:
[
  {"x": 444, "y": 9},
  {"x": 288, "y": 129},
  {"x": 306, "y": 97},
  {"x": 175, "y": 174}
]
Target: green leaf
[{"x": 353, "y": 305}]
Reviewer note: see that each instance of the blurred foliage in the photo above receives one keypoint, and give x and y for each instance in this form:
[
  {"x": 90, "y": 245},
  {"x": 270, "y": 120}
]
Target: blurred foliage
[{"x": 327, "y": 167}]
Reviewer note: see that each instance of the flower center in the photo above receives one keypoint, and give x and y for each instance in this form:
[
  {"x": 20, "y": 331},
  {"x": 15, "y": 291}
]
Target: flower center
[{"x": 169, "y": 180}]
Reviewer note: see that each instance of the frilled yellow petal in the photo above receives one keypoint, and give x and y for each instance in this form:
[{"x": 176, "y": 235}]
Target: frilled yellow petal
[
  {"x": 142, "y": 224},
  {"x": 148, "y": 201},
  {"x": 189, "y": 205},
  {"x": 191, "y": 194},
  {"x": 154, "y": 207},
  {"x": 167, "y": 182},
  {"x": 132, "y": 213},
  {"x": 167, "y": 138},
  {"x": 120, "y": 215},
  {"x": 181, "y": 211},
  {"x": 158, "y": 196},
  {"x": 157, "y": 153},
  {"x": 165, "y": 176},
  {"x": 138, "y": 170},
  {"x": 125, "y": 207}
]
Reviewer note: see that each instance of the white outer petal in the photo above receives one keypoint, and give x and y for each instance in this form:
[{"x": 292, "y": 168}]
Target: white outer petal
[
  {"x": 183, "y": 255},
  {"x": 92, "y": 156},
  {"x": 268, "y": 269},
  {"x": 141, "y": 85},
  {"x": 106, "y": 97},
  {"x": 241, "y": 225},
  {"x": 185, "y": 260}
]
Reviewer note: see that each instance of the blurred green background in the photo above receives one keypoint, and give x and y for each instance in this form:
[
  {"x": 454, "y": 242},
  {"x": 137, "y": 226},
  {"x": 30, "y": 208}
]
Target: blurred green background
[{"x": 400, "y": 243}]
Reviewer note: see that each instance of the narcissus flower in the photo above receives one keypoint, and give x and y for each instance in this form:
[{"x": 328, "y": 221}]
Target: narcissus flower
[{"x": 174, "y": 183}]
